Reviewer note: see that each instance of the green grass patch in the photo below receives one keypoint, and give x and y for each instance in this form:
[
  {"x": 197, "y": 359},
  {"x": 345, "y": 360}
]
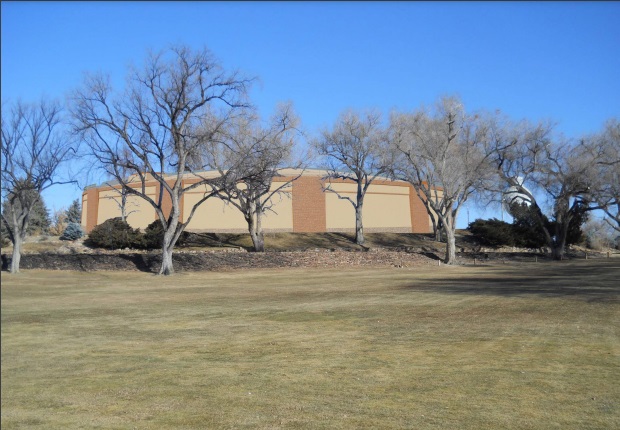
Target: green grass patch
[{"x": 528, "y": 347}]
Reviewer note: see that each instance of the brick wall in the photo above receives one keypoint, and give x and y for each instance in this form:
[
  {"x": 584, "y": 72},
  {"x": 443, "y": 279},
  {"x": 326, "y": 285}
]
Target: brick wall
[
  {"x": 308, "y": 205},
  {"x": 92, "y": 208},
  {"x": 166, "y": 201},
  {"x": 419, "y": 216}
]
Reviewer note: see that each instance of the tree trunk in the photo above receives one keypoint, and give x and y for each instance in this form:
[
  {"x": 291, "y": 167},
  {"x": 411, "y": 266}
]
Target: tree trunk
[
  {"x": 359, "y": 227},
  {"x": 123, "y": 205},
  {"x": 17, "y": 253},
  {"x": 559, "y": 244},
  {"x": 450, "y": 244},
  {"x": 166, "y": 262},
  {"x": 434, "y": 223},
  {"x": 167, "y": 248},
  {"x": 256, "y": 232},
  {"x": 437, "y": 229}
]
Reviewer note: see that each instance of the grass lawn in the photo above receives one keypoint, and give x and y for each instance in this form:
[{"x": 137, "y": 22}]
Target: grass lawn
[{"x": 504, "y": 347}]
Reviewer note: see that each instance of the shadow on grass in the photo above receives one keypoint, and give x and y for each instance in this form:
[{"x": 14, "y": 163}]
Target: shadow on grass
[
  {"x": 593, "y": 282},
  {"x": 216, "y": 240},
  {"x": 392, "y": 240},
  {"x": 142, "y": 262}
]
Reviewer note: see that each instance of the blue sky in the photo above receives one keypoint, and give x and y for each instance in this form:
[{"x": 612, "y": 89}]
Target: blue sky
[{"x": 536, "y": 60}]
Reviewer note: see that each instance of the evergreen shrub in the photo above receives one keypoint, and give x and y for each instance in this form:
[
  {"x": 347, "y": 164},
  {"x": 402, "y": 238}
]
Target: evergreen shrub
[
  {"x": 492, "y": 232},
  {"x": 154, "y": 236},
  {"x": 115, "y": 233},
  {"x": 72, "y": 232}
]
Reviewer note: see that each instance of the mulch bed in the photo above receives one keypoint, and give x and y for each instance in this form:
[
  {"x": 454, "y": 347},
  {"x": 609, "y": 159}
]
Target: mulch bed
[{"x": 221, "y": 261}]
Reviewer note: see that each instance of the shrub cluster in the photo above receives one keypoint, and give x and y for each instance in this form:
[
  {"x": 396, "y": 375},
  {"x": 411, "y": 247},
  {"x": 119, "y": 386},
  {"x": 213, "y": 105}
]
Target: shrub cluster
[
  {"x": 118, "y": 234},
  {"x": 72, "y": 232},
  {"x": 154, "y": 236},
  {"x": 526, "y": 231},
  {"x": 493, "y": 232},
  {"x": 115, "y": 233}
]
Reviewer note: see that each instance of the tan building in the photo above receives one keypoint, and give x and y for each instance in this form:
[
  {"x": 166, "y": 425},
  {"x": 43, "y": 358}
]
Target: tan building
[{"x": 389, "y": 206}]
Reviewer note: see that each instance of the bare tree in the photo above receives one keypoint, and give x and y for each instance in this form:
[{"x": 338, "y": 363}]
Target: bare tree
[
  {"x": 121, "y": 194},
  {"x": 259, "y": 154},
  {"x": 355, "y": 150},
  {"x": 443, "y": 157},
  {"x": 178, "y": 103},
  {"x": 33, "y": 149},
  {"x": 599, "y": 234},
  {"x": 559, "y": 169},
  {"x": 605, "y": 147},
  {"x": 121, "y": 199}
]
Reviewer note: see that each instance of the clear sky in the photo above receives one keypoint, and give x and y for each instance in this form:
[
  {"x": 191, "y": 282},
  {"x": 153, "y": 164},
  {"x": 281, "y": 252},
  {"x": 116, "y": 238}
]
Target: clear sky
[{"x": 536, "y": 60}]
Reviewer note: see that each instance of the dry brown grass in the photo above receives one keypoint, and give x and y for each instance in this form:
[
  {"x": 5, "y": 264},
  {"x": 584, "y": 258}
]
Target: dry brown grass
[{"x": 449, "y": 347}]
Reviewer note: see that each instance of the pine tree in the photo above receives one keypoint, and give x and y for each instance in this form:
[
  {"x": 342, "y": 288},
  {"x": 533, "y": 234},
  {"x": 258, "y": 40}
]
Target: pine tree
[
  {"x": 74, "y": 213},
  {"x": 40, "y": 221}
]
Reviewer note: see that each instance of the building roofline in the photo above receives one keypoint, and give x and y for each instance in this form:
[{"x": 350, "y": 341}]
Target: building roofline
[{"x": 284, "y": 172}]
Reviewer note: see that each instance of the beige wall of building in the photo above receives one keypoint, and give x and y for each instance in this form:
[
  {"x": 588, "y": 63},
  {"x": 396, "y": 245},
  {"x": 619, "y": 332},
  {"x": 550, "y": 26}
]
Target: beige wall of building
[
  {"x": 385, "y": 207},
  {"x": 302, "y": 206},
  {"x": 281, "y": 218},
  {"x": 141, "y": 213},
  {"x": 215, "y": 215}
]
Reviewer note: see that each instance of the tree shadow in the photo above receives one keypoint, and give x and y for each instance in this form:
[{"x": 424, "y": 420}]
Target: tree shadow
[
  {"x": 214, "y": 240},
  {"x": 142, "y": 262},
  {"x": 596, "y": 282},
  {"x": 399, "y": 240}
]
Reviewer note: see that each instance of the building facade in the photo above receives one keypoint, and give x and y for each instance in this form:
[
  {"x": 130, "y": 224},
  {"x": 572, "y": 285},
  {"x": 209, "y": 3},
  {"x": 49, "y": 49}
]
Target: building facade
[{"x": 302, "y": 206}]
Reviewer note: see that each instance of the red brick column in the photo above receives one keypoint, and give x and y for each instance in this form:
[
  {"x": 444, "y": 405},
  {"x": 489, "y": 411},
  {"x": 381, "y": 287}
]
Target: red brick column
[
  {"x": 166, "y": 201},
  {"x": 419, "y": 216},
  {"x": 92, "y": 208},
  {"x": 308, "y": 205}
]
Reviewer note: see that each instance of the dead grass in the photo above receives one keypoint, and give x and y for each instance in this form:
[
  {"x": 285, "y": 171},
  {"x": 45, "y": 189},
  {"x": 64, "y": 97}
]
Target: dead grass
[{"x": 449, "y": 347}]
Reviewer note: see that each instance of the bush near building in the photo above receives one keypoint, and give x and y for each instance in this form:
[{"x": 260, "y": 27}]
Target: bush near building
[
  {"x": 73, "y": 231},
  {"x": 115, "y": 233},
  {"x": 154, "y": 236}
]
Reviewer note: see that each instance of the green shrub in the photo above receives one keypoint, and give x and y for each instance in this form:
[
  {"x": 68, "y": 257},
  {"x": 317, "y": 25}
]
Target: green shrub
[
  {"x": 492, "y": 232},
  {"x": 72, "y": 232},
  {"x": 74, "y": 213},
  {"x": 115, "y": 233},
  {"x": 528, "y": 226},
  {"x": 154, "y": 236}
]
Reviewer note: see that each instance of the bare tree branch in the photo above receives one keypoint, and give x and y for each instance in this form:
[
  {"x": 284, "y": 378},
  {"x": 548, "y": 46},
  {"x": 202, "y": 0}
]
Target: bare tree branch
[
  {"x": 33, "y": 149},
  {"x": 257, "y": 155},
  {"x": 356, "y": 150},
  {"x": 172, "y": 108},
  {"x": 444, "y": 158}
]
